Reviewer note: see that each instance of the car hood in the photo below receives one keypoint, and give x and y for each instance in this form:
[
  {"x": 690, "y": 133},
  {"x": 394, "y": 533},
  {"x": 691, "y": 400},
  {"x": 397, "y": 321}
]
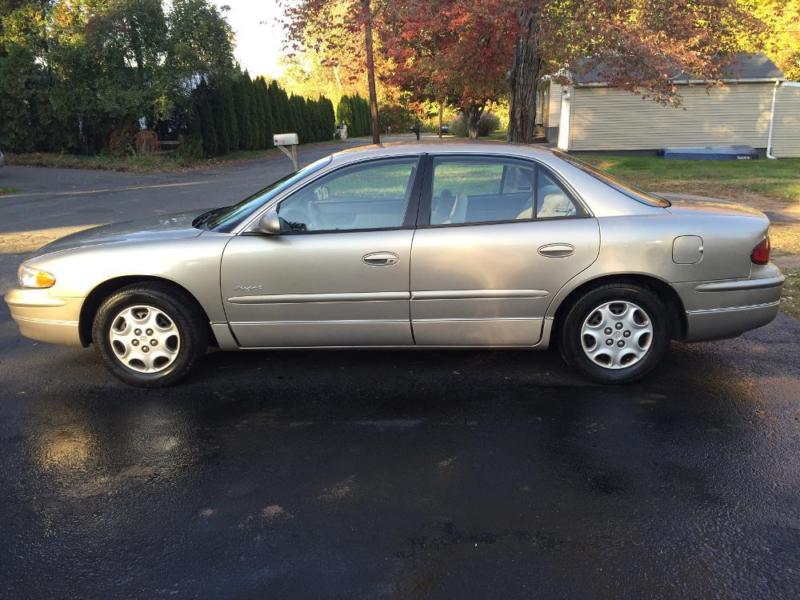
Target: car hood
[{"x": 174, "y": 226}]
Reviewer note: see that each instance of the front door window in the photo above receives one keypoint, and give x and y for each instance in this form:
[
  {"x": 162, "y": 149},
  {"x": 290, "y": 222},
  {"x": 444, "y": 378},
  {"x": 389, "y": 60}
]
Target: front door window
[{"x": 372, "y": 195}]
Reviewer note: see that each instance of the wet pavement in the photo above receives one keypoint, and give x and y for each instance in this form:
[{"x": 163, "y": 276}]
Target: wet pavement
[{"x": 401, "y": 475}]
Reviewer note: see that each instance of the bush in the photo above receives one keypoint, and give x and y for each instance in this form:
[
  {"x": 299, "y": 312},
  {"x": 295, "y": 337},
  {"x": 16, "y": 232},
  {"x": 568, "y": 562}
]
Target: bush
[
  {"x": 487, "y": 124},
  {"x": 399, "y": 118},
  {"x": 190, "y": 146}
]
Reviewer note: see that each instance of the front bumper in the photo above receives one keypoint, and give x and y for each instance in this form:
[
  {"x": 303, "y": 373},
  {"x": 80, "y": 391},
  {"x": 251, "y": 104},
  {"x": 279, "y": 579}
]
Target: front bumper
[
  {"x": 724, "y": 309},
  {"x": 45, "y": 318}
]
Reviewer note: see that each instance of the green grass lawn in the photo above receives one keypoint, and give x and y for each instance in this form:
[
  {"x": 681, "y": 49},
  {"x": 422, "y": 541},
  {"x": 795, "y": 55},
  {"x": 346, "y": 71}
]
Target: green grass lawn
[
  {"x": 730, "y": 179},
  {"x": 7, "y": 190},
  {"x": 467, "y": 178}
]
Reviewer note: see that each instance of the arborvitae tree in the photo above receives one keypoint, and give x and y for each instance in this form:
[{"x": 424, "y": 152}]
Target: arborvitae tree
[
  {"x": 281, "y": 115},
  {"x": 312, "y": 112},
  {"x": 252, "y": 116},
  {"x": 322, "y": 124},
  {"x": 220, "y": 124},
  {"x": 355, "y": 106},
  {"x": 363, "y": 107},
  {"x": 229, "y": 114},
  {"x": 344, "y": 114},
  {"x": 266, "y": 111},
  {"x": 278, "y": 118},
  {"x": 205, "y": 116},
  {"x": 322, "y": 119},
  {"x": 329, "y": 117},
  {"x": 299, "y": 122},
  {"x": 313, "y": 120},
  {"x": 286, "y": 109},
  {"x": 352, "y": 110},
  {"x": 259, "y": 140},
  {"x": 359, "y": 116},
  {"x": 241, "y": 99}
]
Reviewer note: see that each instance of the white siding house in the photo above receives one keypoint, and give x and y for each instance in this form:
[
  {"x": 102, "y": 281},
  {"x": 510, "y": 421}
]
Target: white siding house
[{"x": 595, "y": 117}]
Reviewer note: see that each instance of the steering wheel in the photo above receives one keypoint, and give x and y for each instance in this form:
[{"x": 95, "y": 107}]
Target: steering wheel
[{"x": 297, "y": 218}]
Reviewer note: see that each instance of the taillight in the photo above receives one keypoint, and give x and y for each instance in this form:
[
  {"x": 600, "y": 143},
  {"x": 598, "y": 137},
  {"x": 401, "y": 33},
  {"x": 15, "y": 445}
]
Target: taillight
[{"x": 760, "y": 254}]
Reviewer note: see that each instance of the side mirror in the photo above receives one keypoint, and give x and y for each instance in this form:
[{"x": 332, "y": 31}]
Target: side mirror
[{"x": 269, "y": 223}]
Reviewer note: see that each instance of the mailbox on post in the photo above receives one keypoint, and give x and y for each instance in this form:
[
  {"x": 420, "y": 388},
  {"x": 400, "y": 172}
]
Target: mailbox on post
[{"x": 282, "y": 141}]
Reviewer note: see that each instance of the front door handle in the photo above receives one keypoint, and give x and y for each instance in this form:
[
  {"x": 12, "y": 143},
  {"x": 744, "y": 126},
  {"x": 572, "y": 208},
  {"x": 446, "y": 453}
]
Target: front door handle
[
  {"x": 381, "y": 259},
  {"x": 557, "y": 250}
]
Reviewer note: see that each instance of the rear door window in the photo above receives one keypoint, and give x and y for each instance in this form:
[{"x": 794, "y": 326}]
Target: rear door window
[
  {"x": 480, "y": 190},
  {"x": 496, "y": 189}
]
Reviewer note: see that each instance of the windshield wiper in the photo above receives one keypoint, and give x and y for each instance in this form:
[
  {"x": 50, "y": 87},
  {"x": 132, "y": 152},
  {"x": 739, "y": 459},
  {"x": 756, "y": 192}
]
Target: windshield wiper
[{"x": 206, "y": 216}]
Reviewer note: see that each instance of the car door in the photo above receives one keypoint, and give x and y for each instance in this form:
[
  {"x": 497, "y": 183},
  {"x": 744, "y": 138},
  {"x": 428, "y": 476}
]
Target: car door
[
  {"x": 497, "y": 238},
  {"x": 338, "y": 273}
]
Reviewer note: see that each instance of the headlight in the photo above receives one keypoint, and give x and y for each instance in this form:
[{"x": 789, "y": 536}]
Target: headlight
[{"x": 30, "y": 277}]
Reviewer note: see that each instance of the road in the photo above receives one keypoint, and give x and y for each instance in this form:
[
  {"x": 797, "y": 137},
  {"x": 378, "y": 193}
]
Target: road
[{"x": 386, "y": 474}]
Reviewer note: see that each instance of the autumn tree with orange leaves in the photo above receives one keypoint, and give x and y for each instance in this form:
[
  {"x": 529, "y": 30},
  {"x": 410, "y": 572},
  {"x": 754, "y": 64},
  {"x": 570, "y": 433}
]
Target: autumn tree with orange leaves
[
  {"x": 470, "y": 53},
  {"x": 474, "y": 52},
  {"x": 450, "y": 52}
]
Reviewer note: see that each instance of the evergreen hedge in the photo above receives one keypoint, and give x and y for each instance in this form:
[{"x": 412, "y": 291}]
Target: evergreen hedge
[
  {"x": 244, "y": 113},
  {"x": 353, "y": 111}
]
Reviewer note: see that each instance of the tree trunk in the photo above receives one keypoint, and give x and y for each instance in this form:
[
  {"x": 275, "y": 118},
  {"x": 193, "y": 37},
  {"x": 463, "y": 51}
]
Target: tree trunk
[
  {"x": 472, "y": 116},
  {"x": 524, "y": 78},
  {"x": 373, "y": 94},
  {"x": 441, "y": 114}
]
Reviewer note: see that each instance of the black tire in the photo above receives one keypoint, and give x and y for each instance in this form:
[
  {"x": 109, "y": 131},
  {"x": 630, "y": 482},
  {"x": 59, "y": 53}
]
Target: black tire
[
  {"x": 181, "y": 308},
  {"x": 571, "y": 347}
]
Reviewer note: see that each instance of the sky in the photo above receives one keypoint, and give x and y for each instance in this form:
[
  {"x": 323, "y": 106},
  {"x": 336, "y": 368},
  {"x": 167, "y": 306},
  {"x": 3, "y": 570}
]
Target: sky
[{"x": 259, "y": 35}]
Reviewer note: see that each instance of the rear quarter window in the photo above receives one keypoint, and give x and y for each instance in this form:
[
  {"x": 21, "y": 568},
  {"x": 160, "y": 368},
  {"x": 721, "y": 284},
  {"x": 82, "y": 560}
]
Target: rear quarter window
[{"x": 620, "y": 186}]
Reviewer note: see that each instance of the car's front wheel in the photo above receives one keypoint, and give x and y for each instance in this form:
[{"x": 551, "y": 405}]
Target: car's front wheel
[
  {"x": 616, "y": 333},
  {"x": 150, "y": 335}
]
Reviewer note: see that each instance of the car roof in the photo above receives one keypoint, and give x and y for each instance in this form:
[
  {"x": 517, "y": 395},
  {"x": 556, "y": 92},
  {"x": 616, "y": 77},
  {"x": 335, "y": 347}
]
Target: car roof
[{"x": 476, "y": 147}]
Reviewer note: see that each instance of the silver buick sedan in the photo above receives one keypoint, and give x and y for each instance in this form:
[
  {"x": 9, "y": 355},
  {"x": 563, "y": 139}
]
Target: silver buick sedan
[{"x": 410, "y": 246}]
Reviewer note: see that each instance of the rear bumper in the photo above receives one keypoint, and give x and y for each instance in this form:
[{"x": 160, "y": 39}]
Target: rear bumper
[
  {"x": 40, "y": 316},
  {"x": 724, "y": 309},
  {"x": 721, "y": 323}
]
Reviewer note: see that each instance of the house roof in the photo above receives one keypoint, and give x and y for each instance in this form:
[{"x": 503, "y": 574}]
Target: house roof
[{"x": 747, "y": 67}]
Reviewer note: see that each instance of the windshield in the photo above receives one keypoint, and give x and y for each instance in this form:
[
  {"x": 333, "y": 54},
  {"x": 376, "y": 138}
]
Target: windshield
[
  {"x": 226, "y": 219},
  {"x": 622, "y": 187}
]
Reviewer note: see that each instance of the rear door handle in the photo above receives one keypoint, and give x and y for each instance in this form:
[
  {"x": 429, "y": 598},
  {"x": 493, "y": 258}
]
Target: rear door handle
[
  {"x": 381, "y": 259},
  {"x": 557, "y": 250}
]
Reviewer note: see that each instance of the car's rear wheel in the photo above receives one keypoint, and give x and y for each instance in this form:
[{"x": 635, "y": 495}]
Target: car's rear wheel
[
  {"x": 615, "y": 333},
  {"x": 150, "y": 335}
]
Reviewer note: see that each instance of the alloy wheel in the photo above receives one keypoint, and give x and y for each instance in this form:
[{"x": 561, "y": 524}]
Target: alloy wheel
[
  {"x": 145, "y": 339},
  {"x": 617, "y": 334}
]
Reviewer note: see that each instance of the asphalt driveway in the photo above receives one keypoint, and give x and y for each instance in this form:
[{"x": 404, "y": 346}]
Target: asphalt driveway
[{"x": 384, "y": 474}]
